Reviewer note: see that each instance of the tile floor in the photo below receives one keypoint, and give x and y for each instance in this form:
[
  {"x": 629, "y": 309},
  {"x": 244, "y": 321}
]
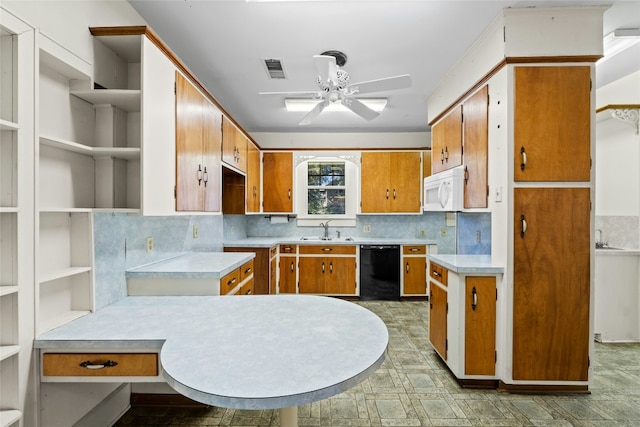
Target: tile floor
[{"x": 413, "y": 388}]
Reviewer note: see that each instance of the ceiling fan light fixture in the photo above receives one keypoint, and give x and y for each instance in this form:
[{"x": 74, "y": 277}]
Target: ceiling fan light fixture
[{"x": 306, "y": 105}]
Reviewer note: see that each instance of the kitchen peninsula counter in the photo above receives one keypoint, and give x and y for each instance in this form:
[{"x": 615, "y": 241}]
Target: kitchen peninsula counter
[{"x": 468, "y": 264}]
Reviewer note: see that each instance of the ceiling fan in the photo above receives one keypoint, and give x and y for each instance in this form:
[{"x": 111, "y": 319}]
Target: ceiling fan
[{"x": 335, "y": 87}]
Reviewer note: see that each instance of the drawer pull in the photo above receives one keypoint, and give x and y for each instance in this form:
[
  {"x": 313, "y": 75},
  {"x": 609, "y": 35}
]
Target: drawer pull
[
  {"x": 414, "y": 250},
  {"x": 435, "y": 273},
  {"x": 474, "y": 297},
  {"x": 292, "y": 266},
  {"x": 231, "y": 282},
  {"x": 327, "y": 249},
  {"x": 407, "y": 269},
  {"x": 248, "y": 270},
  {"x": 91, "y": 365}
]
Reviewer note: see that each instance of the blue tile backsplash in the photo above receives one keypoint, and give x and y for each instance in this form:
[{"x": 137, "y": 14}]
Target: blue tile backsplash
[{"x": 120, "y": 239}]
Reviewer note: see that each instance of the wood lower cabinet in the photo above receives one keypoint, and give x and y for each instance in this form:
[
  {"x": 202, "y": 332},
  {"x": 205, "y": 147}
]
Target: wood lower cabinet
[
  {"x": 288, "y": 269},
  {"x": 261, "y": 268},
  {"x": 320, "y": 273},
  {"x": 273, "y": 270},
  {"x": 438, "y": 309},
  {"x": 198, "y": 139},
  {"x": 551, "y": 284},
  {"x": 480, "y": 325},
  {"x": 390, "y": 182},
  {"x": 277, "y": 177},
  {"x": 99, "y": 365},
  {"x": 414, "y": 265}
]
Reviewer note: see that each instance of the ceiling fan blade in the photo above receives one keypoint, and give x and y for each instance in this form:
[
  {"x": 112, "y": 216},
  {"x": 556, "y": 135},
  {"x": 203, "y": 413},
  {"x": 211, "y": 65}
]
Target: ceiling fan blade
[
  {"x": 360, "y": 109},
  {"x": 315, "y": 94},
  {"x": 380, "y": 85},
  {"x": 314, "y": 113},
  {"x": 327, "y": 68}
]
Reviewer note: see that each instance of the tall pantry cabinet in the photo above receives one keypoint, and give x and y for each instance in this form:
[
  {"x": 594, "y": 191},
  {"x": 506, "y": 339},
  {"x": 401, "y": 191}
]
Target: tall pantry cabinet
[{"x": 16, "y": 219}]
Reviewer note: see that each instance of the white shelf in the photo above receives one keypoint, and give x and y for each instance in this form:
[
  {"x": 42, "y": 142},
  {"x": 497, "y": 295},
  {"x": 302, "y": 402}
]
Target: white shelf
[
  {"x": 8, "y": 209},
  {"x": 133, "y": 211},
  {"x": 8, "y": 290},
  {"x": 117, "y": 152},
  {"x": 61, "y": 319},
  {"x": 7, "y": 351},
  {"x": 62, "y": 273},
  {"x": 9, "y": 416},
  {"x": 127, "y": 99},
  {"x": 65, "y": 210},
  {"x": 7, "y": 125}
]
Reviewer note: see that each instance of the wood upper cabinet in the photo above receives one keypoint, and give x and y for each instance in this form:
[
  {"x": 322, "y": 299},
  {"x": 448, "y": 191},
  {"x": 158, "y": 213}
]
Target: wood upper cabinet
[
  {"x": 234, "y": 145},
  {"x": 476, "y": 145},
  {"x": 552, "y": 123},
  {"x": 438, "y": 319},
  {"x": 277, "y": 176},
  {"x": 480, "y": 326},
  {"x": 198, "y": 139},
  {"x": 253, "y": 178},
  {"x": 446, "y": 142},
  {"x": 390, "y": 182},
  {"x": 551, "y": 284}
]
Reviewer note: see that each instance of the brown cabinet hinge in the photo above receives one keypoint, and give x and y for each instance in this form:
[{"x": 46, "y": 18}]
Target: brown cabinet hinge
[
  {"x": 175, "y": 192},
  {"x": 175, "y": 89},
  {"x": 447, "y": 308},
  {"x": 496, "y": 357}
]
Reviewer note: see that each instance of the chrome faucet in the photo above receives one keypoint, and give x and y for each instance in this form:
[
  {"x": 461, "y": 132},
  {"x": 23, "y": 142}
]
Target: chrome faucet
[
  {"x": 326, "y": 228},
  {"x": 600, "y": 243}
]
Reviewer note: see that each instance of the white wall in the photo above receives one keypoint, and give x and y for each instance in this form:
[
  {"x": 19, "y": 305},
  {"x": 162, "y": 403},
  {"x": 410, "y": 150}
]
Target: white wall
[
  {"x": 617, "y": 164},
  {"x": 341, "y": 141}
]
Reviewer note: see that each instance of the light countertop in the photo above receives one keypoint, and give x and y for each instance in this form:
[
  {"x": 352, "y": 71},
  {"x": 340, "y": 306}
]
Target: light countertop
[
  {"x": 254, "y": 352},
  {"x": 617, "y": 252},
  {"x": 468, "y": 264},
  {"x": 192, "y": 265},
  {"x": 267, "y": 242}
]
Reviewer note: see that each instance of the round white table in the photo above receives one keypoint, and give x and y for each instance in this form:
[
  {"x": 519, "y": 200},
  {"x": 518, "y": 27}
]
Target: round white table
[{"x": 267, "y": 352}]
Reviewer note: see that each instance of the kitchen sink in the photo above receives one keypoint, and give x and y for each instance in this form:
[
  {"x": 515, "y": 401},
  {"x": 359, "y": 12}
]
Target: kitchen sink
[
  {"x": 609, "y": 248},
  {"x": 327, "y": 239}
]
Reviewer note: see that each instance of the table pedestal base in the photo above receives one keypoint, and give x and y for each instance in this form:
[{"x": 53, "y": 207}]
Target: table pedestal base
[{"x": 289, "y": 417}]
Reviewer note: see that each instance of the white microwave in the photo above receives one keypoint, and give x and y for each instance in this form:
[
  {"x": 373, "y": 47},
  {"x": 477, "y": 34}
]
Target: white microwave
[{"x": 444, "y": 191}]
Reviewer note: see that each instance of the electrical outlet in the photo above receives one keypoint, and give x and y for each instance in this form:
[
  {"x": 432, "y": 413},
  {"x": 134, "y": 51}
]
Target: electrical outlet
[
  {"x": 195, "y": 231},
  {"x": 422, "y": 233},
  {"x": 443, "y": 232},
  {"x": 149, "y": 244},
  {"x": 366, "y": 229}
]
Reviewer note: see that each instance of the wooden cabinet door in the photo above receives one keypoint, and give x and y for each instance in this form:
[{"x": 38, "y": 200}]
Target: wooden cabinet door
[
  {"x": 189, "y": 129},
  {"x": 229, "y": 131},
  {"x": 415, "y": 275},
  {"x": 426, "y": 163},
  {"x": 551, "y": 284},
  {"x": 211, "y": 142},
  {"x": 480, "y": 326},
  {"x": 288, "y": 284},
  {"x": 552, "y": 123},
  {"x": 405, "y": 182},
  {"x": 312, "y": 271},
  {"x": 375, "y": 186},
  {"x": 438, "y": 319},
  {"x": 341, "y": 277},
  {"x": 476, "y": 145},
  {"x": 446, "y": 142},
  {"x": 277, "y": 177},
  {"x": 242, "y": 144},
  {"x": 253, "y": 178}
]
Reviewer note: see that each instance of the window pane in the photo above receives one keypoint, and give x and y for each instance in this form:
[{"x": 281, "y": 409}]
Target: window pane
[{"x": 323, "y": 202}]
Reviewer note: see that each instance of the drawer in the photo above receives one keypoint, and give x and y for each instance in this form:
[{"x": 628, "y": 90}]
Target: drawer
[
  {"x": 327, "y": 249},
  {"x": 100, "y": 364},
  {"x": 246, "y": 289},
  {"x": 229, "y": 282},
  {"x": 288, "y": 249},
  {"x": 246, "y": 270},
  {"x": 439, "y": 273},
  {"x": 414, "y": 249}
]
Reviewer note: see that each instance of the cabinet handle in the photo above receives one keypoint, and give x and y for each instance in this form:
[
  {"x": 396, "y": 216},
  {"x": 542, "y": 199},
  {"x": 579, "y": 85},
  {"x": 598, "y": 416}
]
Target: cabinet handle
[
  {"x": 231, "y": 282},
  {"x": 442, "y": 156},
  {"x": 394, "y": 194},
  {"x": 92, "y": 365},
  {"x": 387, "y": 194},
  {"x": 414, "y": 249},
  {"x": 248, "y": 292},
  {"x": 255, "y": 192},
  {"x": 199, "y": 174},
  {"x": 435, "y": 273},
  {"x": 466, "y": 174},
  {"x": 331, "y": 267},
  {"x": 323, "y": 268},
  {"x": 474, "y": 297},
  {"x": 289, "y": 194},
  {"x": 248, "y": 270},
  {"x": 446, "y": 154},
  {"x": 523, "y": 154},
  {"x": 292, "y": 266},
  {"x": 407, "y": 269},
  {"x": 205, "y": 176},
  {"x": 523, "y": 221}
]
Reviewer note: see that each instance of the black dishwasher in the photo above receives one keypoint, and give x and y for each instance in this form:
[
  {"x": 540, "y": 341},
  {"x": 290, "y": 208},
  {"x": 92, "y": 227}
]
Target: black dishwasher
[{"x": 380, "y": 272}]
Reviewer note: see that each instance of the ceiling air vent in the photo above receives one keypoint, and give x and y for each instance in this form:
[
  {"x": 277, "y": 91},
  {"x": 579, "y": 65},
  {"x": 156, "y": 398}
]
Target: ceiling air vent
[{"x": 274, "y": 68}]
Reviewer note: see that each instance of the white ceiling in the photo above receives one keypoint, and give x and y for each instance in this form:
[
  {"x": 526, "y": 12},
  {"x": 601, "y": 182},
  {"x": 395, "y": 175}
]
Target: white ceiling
[{"x": 224, "y": 43}]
